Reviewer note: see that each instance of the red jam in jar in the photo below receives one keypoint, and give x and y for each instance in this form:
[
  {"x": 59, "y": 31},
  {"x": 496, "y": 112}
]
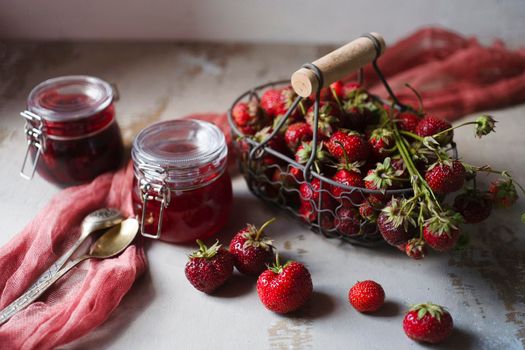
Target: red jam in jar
[
  {"x": 182, "y": 190},
  {"x": 71, "y": 130}
]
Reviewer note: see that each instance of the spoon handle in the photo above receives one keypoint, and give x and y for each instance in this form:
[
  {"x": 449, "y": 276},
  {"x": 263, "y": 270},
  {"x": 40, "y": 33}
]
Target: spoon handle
[{"x": 36, "y": 290}]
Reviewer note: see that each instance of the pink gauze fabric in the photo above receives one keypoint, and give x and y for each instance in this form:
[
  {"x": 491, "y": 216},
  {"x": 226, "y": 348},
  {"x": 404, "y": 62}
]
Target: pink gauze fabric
[{"x": 85, "y": 297}]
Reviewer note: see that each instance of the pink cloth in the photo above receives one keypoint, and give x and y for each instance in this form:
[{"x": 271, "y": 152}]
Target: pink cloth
[{"x": 84, "y": 298}]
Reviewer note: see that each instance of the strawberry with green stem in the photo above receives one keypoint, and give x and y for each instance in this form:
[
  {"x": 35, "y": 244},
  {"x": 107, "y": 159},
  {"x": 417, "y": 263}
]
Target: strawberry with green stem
[
  {"x": 251, "y": 249},
  {"x": 429, "y": 323},
  {"x": 304, "y": 152},
  {"x": 441, "y": 231},
  {"x": 384, "y": 176},
  {"x": 348, "y": 174},
  {"x": 329, "y": 118}
]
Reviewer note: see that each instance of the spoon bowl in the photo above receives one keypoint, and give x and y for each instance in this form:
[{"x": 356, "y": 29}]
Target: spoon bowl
[{"x": 115, "y": 240}]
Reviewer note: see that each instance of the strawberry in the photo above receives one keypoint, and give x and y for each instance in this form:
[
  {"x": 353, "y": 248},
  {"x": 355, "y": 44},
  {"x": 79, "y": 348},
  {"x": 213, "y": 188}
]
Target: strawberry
[
  {"x": 276, "y": 102},
  {"x": 445, "y": 177},
  {"x": 312, "y": 191},
  {"x": 348, "y": 221},
  {"x": 428, "y": 323},
  {"x": 474, "y": 205},
  {"x": 341, "y": 91},
  {"x": 296, "y": 173},
  {"x": 395, "y": 223},
  {"x": 407, "y": 121},
  {"x": 284, "y": 289},
  {"x": 329, "y": 118},
  {"x": 430, "y": 125},
  {"x": 288, "y": 183},
  {"x": 384, "y": 176},
  {"x": 296, "y": 134},
  {"x": 351, "y": 178},
  {"x": 276, "y": 143},
  {"x": 304, "y": 152},
  {"x": 503, "y": 193},
  {"x": 381, "y": 141},
  {"x": 248, "y": 117},
  {"x": 359, "y": 110},
  {"x": 251, "y": 249},
  {"x": 370, "y": 207},
  {"x": 416, "y": 248},
  {"x": 208, "y": 268},
  {"x": 366, "y": 296},
  {"x": 308, "y": 212},
  {"x": 441, "y": 231},
  {"x": 355, "y": 146}
]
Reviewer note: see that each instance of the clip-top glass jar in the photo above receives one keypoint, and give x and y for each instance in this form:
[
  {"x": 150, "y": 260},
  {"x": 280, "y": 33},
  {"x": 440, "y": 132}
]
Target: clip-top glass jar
[
  {"x": 182, "y": 190},
  {"x": 71, "y": 130}
]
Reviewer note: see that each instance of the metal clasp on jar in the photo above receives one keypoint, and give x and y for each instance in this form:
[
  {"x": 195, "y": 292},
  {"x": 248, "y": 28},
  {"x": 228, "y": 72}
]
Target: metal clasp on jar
[
  {"x": 35, "y": 138},
  {"x": 153, "y": 188}
]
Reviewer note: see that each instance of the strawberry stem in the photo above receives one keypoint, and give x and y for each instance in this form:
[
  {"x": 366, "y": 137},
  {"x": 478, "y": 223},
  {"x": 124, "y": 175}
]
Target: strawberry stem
[
  {"x": 261, "y": 229},
  {"x": 411, "y": 134}
]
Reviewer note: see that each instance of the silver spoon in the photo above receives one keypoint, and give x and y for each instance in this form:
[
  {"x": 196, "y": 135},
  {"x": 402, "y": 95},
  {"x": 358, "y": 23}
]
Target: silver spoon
[
  {"x": 111, "y": 243},
  {"x": 95, "y": 221}
]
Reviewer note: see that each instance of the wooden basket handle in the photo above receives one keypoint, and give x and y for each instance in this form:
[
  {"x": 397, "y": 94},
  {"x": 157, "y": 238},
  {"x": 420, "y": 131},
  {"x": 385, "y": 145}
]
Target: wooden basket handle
[{"x": 338, "y": 63}]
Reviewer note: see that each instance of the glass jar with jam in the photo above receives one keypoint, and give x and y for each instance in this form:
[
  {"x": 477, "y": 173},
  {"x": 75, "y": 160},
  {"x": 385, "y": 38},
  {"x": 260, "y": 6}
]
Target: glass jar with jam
[
  {"x": 182, "y": 190},
  {"x": 71, "y": 130}
]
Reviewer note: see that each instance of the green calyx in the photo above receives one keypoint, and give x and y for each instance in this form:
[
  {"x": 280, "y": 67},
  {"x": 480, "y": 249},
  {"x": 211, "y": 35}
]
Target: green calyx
[
  {"x": 434, "y": 310},
  {"x": 485, "y": 124},
  {"x": 383, "y": 174},
  {"x": 382, "y": 134},
  {"x": 205, "y": 252},
  {"x": 505, "y": 192},
  {"x": 305, "y": 151},
  {"x": 399, "y": 213},
  {"x": 277, "y": 267},
  {"x": 256, "y": 238},
  {"x": 442, "y": 223}
]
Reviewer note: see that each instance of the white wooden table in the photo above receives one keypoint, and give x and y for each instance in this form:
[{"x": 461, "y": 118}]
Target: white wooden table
[{"x": 483, "y": 287}]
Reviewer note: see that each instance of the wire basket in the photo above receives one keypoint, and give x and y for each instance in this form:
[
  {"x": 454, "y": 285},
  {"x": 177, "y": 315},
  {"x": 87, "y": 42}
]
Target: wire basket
[{"x": 282, "y": 190}]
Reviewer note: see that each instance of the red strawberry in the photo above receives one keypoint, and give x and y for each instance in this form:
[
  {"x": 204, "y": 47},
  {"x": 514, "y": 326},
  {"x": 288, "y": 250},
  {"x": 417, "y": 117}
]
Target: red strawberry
[
  {"x": 251, "y": 249},
  {"x": 304, "y": 152},
  {"x": 475, "y": 206},
  {"x": 209, "y": 268},
  {"x": 284, "y": 289},
  {"x": 416, "y": 248},
  {"x": 297, "y": 173},
  {"x": 312, "y": 191},
  {"x": 296, "y": 134},
  {"x": 308, "y": 212},
  {"x": 381, "y": 141},
  {"x": 248, "y": 117},
  {"x": 503, "y": 193},
  {"x": 430, "y": 125},
  {"x": 356, "y": 147},
  {"x": 407, "y": 121},
  {"x": 445, "y": 177},
  {"x": 348, "y": 221},
  {"x": 276, "y": 143},
  {"x": 441, "y": 232},
  {"x": 369, "y": 209},
  {"x": 348, "y": 178},
  {"x": 277, "y": 101},
  {"x": 366, "y": 296},
  {"x": 395, "y": 223},
  {"x": 428, "y": 323},
  {"x": 359, "y": 110},
  {"x": 329, "y": 118},
  {"x": 342, "y": 91}
]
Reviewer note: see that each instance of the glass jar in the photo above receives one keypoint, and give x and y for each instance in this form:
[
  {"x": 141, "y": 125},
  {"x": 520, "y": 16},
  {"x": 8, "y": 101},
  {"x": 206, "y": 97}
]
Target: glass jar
[
  {"x": 182, "y": 190},
  {"x": 71, "y": 130}
]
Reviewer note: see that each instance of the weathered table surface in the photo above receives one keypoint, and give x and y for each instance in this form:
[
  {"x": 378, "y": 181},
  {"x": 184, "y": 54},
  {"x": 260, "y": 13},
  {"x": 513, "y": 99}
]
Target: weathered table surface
[{"x": 483, "y": 286}]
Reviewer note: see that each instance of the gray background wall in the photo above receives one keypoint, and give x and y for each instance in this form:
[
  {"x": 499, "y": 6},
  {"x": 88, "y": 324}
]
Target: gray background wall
[{"x": 329, "y": 21}]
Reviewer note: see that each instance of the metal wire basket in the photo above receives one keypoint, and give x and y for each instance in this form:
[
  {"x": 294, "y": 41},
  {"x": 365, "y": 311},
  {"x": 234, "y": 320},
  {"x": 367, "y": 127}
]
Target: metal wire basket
[{"x": 287, "y": 196}]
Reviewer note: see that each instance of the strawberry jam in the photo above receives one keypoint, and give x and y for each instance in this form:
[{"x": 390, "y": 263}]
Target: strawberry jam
[
  {"x": 71, "y": 130},
  {"x": 182, "y": 191}
]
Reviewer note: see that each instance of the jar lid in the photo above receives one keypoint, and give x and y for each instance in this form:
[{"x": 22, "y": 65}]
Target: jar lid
[
  {"x": 185, "y": 152},
  {"x": 69, "y": 98}
]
